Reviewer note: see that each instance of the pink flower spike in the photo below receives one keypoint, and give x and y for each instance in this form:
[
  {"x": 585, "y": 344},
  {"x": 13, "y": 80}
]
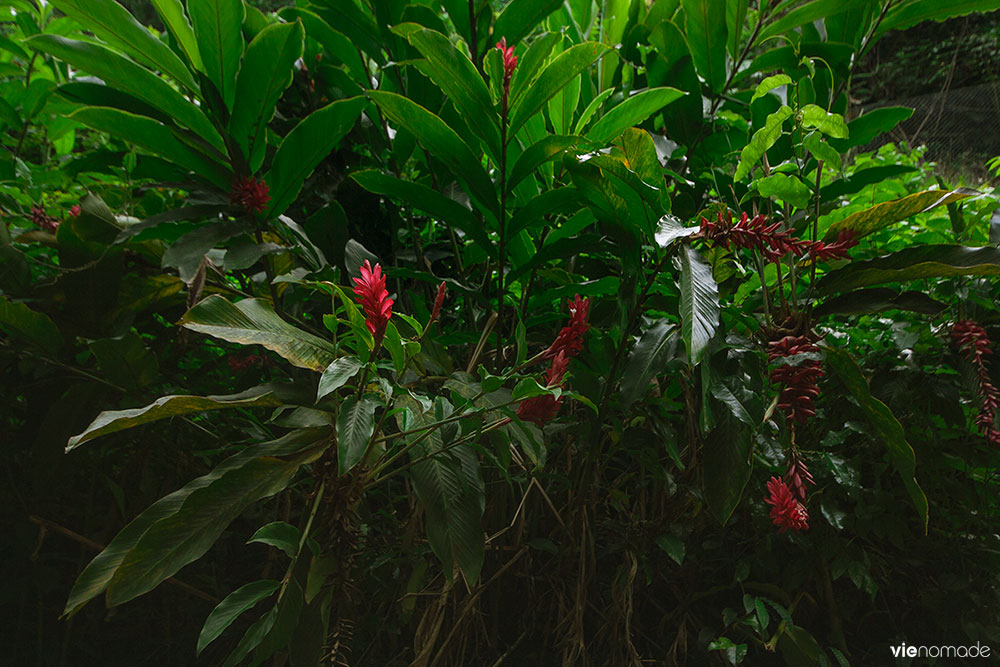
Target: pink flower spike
[
  {"x": 570, "y": 338},
  {"x": 786, "y": 512},
  {"x": 438, "y": 301},
  {"x": 371, "y": 292}
]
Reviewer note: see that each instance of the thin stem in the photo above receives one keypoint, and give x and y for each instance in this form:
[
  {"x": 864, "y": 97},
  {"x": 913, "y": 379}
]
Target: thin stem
[
  {"x": 473, "y": 39},
  {"x": 498, "y": 361}
]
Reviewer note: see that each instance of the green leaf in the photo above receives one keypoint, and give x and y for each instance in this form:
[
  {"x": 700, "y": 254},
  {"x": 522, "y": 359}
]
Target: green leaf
[
  {"x": 156, "y": 138},
  {"x": 174, "y": 541},
  {"x": 442, "y": 142},
  {"x": 632, "y": 111},
  {"x": 110, "y": 21},
  {"x": 556, "y": 76},
  {"x": 670, "y": 228},
  {"x": 426, "y": 199},
  {"x": 911, "y": 13},
  {"x": 769, "y": 84},
  {"x": 537, "y": 154},
  {"x": 126, "y": 361},
  {"x": 885, "y": 423},
  {"x": 887, "y": 213},
  {"x": 699, "y": 303},
  {"x": 648, "y": 359},
  {"x": 519, "y": 17},
  {"x": 280, "y": 535},
  {"x": 305, "y": 147},
  {"x": 705, "y": 25},
  {"x": 877, "y": 299},
  {"x": 727, "y": 464},
  {"x": 112, "y": 421},
  {"x": 218, "y": 27},
  {"x": 355, "y": 425},
  {"x": 253, "y": 322},
  {"x": 264, "y": 75},
  {"x": 118, "y": 71},
  {"x": 591, "y": 109},
  {"x": 30, "y": 326},
  {"x": 243, "y": 598},
  {"x": 821, "y": 150},
  {"x": 924, "y": 261},
  {"x": 818, "y": 118},
  {"x": 336, "y": 375},
  {"x": 673, "y": 546},
  {"x": 172, "y": 13},
  {"x": 336, "y": 43},
  {"x": 807, "y": 13},
  {"x": 761, "y": 141},
  {"x": 863, "y": 129},
  {"x": 786, "y": 188}
]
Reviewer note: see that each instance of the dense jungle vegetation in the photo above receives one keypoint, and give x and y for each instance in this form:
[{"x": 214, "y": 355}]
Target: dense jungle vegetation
[{"x": 449, "y": 333}]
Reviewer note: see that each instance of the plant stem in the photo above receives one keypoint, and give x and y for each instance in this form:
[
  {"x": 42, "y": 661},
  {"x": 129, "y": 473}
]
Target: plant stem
[{"x": 498, "y": 361}]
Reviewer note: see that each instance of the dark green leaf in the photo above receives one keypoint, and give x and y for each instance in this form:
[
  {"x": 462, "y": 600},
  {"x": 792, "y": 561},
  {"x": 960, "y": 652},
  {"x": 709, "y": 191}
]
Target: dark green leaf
[
  {"x": 807, "y": 13},
  {"x": 280, "y": 535},
  {"x": 519, "y": 17},
  {"x": 336, "y": 375},
  {"x": 632, "y": 111},
  {"x": 176, "y": 21},
  {"x": 727, "y": 464},
  {"x": 218, "y": 27},
  {"x": 537, "y": 154},
  {"x": 706, "y": 36},
  {"x": 355, "y": 425},
  {"x": 699, "y": 303},
  {"x": 648, "y": 358},
  {"x": 924, "y": 261},
  {"x": 30, "y": 326},
  {"x": 865, "y": 301},
  {"x": 243, "y": 598}
]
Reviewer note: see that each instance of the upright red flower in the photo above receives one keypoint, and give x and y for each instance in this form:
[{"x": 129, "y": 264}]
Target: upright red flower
[
  {"x": 438, "y": 301},
  {"x": 509, "y": 61},
  {"x": 786, "y": 512},
  {"x": 799, "y": 380},
  {"x": 250, "y": 194},
  {"x": 541, "y": 409},
  {"x": 974, "y": 343},
  {"x": 570, "y": 338},
  {"x": 75, "y": 211},
  {"x": 371, "y": 292}
]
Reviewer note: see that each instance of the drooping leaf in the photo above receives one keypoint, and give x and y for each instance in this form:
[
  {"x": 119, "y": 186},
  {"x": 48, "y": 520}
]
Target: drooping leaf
[
  {"x": 769, "y": 84},
  {"x": 648, "y": 358},
  {"x": 877, "y": 299},
  {"x": 699, "y": 303},
  {"x": 831, "y": 124},
  {"x": 355, "y": 425},
  {"x": 279, "y": 535},
  {"x": 882, "y": 215},
  {"x": 761, "y": 141},
  {"x": 218, "y": 27},
  {"x": 863, "y": 129},
  {"x": 537, "y": 154},
  {"x": 632, "y": 111},
  {"x": 911, "y": 13},
  {"x": 242, "y": 599},
  {"x": 706, "y": 37},
  {"x": 336, "y": 375},
  {"x": 807, "y": 13},
  {"x": 923, "y": 261},
  {"x": 30, "y": 326},
  {"x": 727, "y": 464},
  {"x": 885, "y": 424}
]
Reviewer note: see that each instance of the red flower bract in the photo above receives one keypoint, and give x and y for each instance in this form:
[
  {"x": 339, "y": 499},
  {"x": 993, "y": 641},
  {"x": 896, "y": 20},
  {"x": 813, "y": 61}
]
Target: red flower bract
[
  {"x": 438, "y": 301},
  {"x": 786, "y": 512},
  {"x": 509, "y": 61},
  {"x": 371, "y": 292},
  {"x": 974, "y": 343},
  {"x": 770, "y": 240},
  {"x": 570, "y": 338},
  {"x": 800, "y": 389},
  {"x": 40, "y": 217},
  {"x": 250, "y": 194},
  {"x": 540, "y": 409}
]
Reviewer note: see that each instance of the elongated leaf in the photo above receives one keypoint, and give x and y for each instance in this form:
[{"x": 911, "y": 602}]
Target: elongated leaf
[
  {"x": 885, "y": 424},
  {"x": 355, "y": 426},
  {"x": 807, "y": 13},
  {"x": 706, "y": 37},
  {"x": 172, "y": 13},
  {"x": 632, "y": 111},
  {"x": 699, "y": 303},
  {"x": 428, "y": 200},
  {"x": 648, "y": 358},
  {"x": 156, "y": 138},
  {"x": 218, "y": 27},
  {"x": 95, "y": 577},
  {"x": 243, "y": 598},
  {"x": 818, "y": 118},
  {"x": 863, "y": 129},
  {"x": 336, "y": 43},
  {"x": 264, "y": 75},
  {"x": 253, "y": 322},
  {"x": 887, "y": 213},
  {"x": 113, "y": 421},
  {"x": 556, "y": 76},
  {"x": 761, "y": 141},
  {"x": 305, "y": 147},
  {"x": 110, "y": 21},
  {"x": 769, "y": 84},
  {"x": 727, "y": 464},
  {"x": 859, "y": 179},
  {"x": 174, "y": 541},
  {"x": 911, "y": 13},
  {"x": 537, "y": 154},
  {"x": 30, "y": 326},
  {"x": 279, "y": 535},
  {"x": 519, "y": 17},
  {"x": 865, "y": 301},
  {"x": 787, "y": 188},
  {"x": 669, "y": 229},
  {"x": 336, "y": 375},
  {"x": 119, "y": 71},
  {"x": 924, "y": 261}
]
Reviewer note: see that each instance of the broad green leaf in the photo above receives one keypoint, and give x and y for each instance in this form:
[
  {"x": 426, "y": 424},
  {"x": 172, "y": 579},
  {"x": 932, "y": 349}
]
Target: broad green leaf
[
  {"x": 557, "y": 75},
  {"x": 859, "y": 179},
  {"x": 821, "y": 150},
  {"x": 336, "y": 43},
  {"x": 305, "y": 147},
  {"x": 242, "y": 599},
  {"x": 673, "y": 546},
  {"x": 253, "y": 637},
  {"x": 727, "y": 462},
  {"x": 537, "y": 154},
  {"x": 706, "y": 36},
  {"x": 441, "y": 141},
  {"x": 591, "y": 109},
  {"x": 887, "y": 213},
  {"x": 807, "y": 13},
  {"x": 113, "y": 421},
  {"x": 877, "y": 299},
  {"x": 187, "y": 252},
  {"x": 736, "y": 14},
  {"x": 116, "y": 70},
  {"x": 279, "y": 535},
  {"x": 172, "y": 13},
  {"x": 519, "y": 17},
  {"x": 530, "y": 64},
  {"x": 355, "y": 425},
  {"x": 253, "y": 322},
  {"x": 336, "y": 375},
  {"x": 428, "y": 200},
  {"x": 830, "y": 124},
  {"x": 632, "y": 111},
  {"x": 863, "y": 129},
  {"x": 769, "y": 84},
  {"x": 699, "y": 303},
  {"x": 761, "y": 141},
  {"x": 909, "y": 14},
  {"x": 8, "y": 114},
  {"x": 648, "y": 359},
  {"x": 156, "y": 138},
  {"x": 885, "y": 424},
  {"x": 670, "y": 228},
  {"x": 176, "y": 540},
  {"x": 95, "y": 577},
  {"x": 457, "y": 77},
  {"x": 923, "y": 261},
  {"x": 126, "y": 361},
  {"x": 110, "y": 21},
  {"x": 218, "y": 27},
  {"x": 30, "y": 326},
  {"x": 265, "y": 73},
  {"x": 787, "y": 188}
]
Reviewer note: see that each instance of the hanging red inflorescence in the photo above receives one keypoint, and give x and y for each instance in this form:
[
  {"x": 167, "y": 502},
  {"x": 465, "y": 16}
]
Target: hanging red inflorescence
[
  {"x": 769, "y": 239},
  {"x": 541, "y": 409},
  {"x": 250, "y": 194},
  {"x": 798, "y": 476},
  {"x": 371, "y": 292},
  {"x": 41, "y": 218},
  {"x": 799, "y": 379},
  {"x": 570, "y": 338},
  {"x": 786, "y": 512},
  {"x": 974, "y": 343}
]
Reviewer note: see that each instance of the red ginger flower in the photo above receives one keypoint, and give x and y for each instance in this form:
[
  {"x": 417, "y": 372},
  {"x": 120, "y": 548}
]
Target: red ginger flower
[
  {"x": 570, "y": 338},
  {"x": 786, "y": 512},
  {"x": 438, "y": 301},
  {"x": 974, "y": 343},
  {"x": 509, "y": 62},
  {"x": 770, "y": 240},
  {"x": 75, "y": 211},
  {"x": 371, "y": 292},
  {"x": 836, "y": 250},
  {"x": 540, "y": 409},
  {"x": 250, "y": 194},
  {"x": 800, "y": 389},
  {"x": 798, "y": 476}
]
